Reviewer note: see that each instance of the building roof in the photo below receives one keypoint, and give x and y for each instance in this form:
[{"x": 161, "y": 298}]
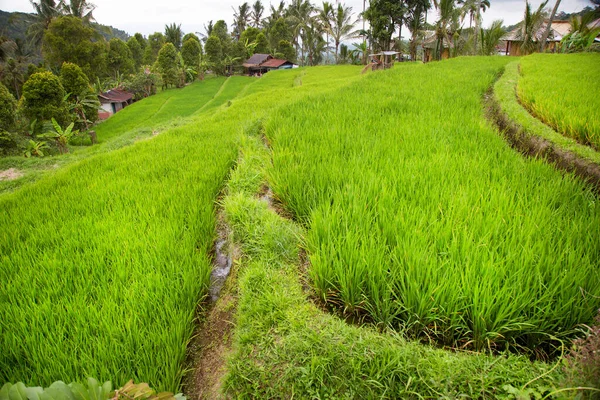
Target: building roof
[
  {"x": 274, "y": 63},
  {"x": 115, "y": 96},
  {"x": 256, "y": 60},
  {"x": 557, "y": 31}
]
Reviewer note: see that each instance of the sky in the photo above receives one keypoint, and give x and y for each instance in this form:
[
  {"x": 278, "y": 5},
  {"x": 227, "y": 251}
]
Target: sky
[{"x": 149, "y": 16}]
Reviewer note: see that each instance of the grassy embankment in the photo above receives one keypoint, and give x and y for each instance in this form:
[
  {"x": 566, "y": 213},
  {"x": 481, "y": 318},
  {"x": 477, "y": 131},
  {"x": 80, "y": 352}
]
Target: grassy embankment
[
  {"x": 140, "y": 120},
  {"x": 104, "y": 263},
  {"x": 287, "y": 347},
  {"x": 420, "y": 218},
  {"x": 561, "y": 90}
]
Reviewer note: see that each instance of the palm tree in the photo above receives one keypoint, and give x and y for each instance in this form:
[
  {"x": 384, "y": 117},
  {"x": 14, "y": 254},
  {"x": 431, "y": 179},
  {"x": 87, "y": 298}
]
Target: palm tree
[
  {"x": 45, "y": 12},
  {"x": 80, "y": 9},
  {"x": 173, "y": 35},
  {"x": 449, "y": 16},
  {"x": 313, "y": 42},
  {"x": 415, "y": 22},
  {"x": 491, "y": 37},
  {"x": 241, "y": 19},
  {"x": 548, "y": 26},
  {"x": 300, "y": 17},
  {"x": 325, "y": 16},
  {"x": 208, "y": 31},
  {"x": 342, "y": 26},
  {"x": 530, "y": 27},
  {"x": 256, "y": 14}
]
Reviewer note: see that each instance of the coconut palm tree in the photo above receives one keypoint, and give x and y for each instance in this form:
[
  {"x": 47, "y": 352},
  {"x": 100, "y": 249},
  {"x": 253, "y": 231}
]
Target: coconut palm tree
[
  {"x": 313, "y": 42},
  {"x": 299, "y": 15},
  {"x": 546, "y": 33},
  {"x": 173, "y": 35},
  {"x": 415, "y": 22},
  {"x": 491, "y": 37},
  {"x": 530, "y": 26},
  {"x": 241, "y": 19},
  {"x": 256, "y": 14},
  {"x": 80, "y": 9},
  {"x": 325, "y": 15},
  {"x": 45, "y": 12},
  {"x": 342, "y": 26},
  {"x": 447, "y": 23}
]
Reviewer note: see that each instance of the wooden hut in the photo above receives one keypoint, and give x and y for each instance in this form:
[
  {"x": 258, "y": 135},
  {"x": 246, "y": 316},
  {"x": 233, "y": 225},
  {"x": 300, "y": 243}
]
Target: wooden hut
[
  {"x": 113, "y": 101},
  {"x": 558, "y": 29},
  {"x": 261, "y": 63}
]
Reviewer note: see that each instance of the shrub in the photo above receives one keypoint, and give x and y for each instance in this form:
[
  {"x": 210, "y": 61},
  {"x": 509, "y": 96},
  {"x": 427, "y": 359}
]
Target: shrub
[
  {"x": 8, "y": 105},
  {"x": 168, "y": 64},
  {"x": 74, "y": 81},
  {"x": 43, "y": 98},
  {"x": 93, "y": 391}
]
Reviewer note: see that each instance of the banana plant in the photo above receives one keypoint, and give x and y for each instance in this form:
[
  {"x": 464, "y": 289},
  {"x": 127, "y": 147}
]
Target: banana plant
[
  {"x": 61, "y": 136},
  {"x": 34, "y": 149},
  {"x": 77, "y": 391}
]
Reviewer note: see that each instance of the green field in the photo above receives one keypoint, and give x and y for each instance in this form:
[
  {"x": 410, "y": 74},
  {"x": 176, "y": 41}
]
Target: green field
[
  {"x": 414, "y": 213},
  {"x": 421, "y": 218},
  {"x": 562, "y": 91}
]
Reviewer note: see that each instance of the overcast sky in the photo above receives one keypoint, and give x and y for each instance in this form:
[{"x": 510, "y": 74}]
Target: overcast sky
[{"x": 148, "y": 16}]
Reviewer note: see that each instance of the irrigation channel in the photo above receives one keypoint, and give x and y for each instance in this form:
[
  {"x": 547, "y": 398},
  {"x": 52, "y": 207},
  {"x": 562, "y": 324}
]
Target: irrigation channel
[{"x": 530, "y": 144}]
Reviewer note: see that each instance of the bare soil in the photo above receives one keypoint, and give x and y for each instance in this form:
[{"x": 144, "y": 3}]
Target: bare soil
[{"x": 10, "y": 174}]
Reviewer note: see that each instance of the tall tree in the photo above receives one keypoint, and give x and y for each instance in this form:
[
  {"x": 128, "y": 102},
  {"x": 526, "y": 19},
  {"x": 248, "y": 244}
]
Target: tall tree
[
  {"x": 342, "y": 26},
  {"x": 449, "y": 15},
  {"x": 80, "y": 9},
  {"x": 155, "y": 42},
  {"x": 256, "y": 14},
  {"x": 241, "y": 19},
  {"x": 45, "y": 12},
  {"x": 384, "y": 16},
  {"x": 546, "y": 33},
  {"x": 214, "y": 54},
  {"x": 119, "y": 59},
  {"x": 415, "y": 22},
  {"x": 191, "y": 51},
  {"x": 299, "y": 14},
  {"x": 173, "y": 35},
  {"x": 68, "y": 39},
  {"x": 530, "y": 26},
  {"x": 168, "y": 65},
  {"x": 136, "y": 52},
  {"x": 325, "y": 14}
]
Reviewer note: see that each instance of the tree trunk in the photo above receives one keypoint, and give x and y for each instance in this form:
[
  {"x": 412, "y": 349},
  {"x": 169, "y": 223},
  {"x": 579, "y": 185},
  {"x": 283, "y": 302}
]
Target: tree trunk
[
  {"x": 548, "y": 27},
  {"x": 477, "y": 22},
  {"x": 337, "y": 44}
]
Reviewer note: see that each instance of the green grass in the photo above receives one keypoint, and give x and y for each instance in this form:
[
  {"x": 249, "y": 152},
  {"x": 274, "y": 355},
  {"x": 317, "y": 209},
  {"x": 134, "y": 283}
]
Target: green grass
[
  {"x": 155, "y": 114},
  {"x": 505, "y": 95},
  {"x": 562, "y": 91},
  {"x": 421, "y": 218},
  {"x": 104, "y": 263},
  {"x": 285, "y": 347}
]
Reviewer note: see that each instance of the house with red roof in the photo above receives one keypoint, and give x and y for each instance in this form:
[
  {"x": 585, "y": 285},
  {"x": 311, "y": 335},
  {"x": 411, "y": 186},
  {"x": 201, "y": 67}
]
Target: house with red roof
[
  {"x": 113, "y": 101},
  {"x": 261, "y": 63}
]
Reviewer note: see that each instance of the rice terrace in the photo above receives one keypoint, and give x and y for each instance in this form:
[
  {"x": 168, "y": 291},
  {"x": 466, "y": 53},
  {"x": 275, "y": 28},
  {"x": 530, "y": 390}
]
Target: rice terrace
[{"x": 268, "y": 213}]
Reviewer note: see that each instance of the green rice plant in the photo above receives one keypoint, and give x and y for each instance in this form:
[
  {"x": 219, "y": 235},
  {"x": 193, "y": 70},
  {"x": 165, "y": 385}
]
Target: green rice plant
[
  {"x": 105, "y": 262},
  {"x": 560, "y": 90},
  {"x": 421, "y": 218},
  {"x": 285, "y": 346}
]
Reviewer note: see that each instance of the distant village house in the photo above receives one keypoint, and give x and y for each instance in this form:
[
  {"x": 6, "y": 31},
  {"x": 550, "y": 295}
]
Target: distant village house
[
  {"x": 113, "y": 101},
  {"x": 261, "y": 63}
]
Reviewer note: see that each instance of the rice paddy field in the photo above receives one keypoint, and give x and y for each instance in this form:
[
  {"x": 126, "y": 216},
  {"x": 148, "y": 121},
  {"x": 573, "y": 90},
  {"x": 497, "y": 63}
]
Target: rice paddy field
[
  {"x": 415, "y": 215},
  {"x": 104, "y": 264},
  {"x": 421, "y": 218},
  {"x": 561, "y": 91}
]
